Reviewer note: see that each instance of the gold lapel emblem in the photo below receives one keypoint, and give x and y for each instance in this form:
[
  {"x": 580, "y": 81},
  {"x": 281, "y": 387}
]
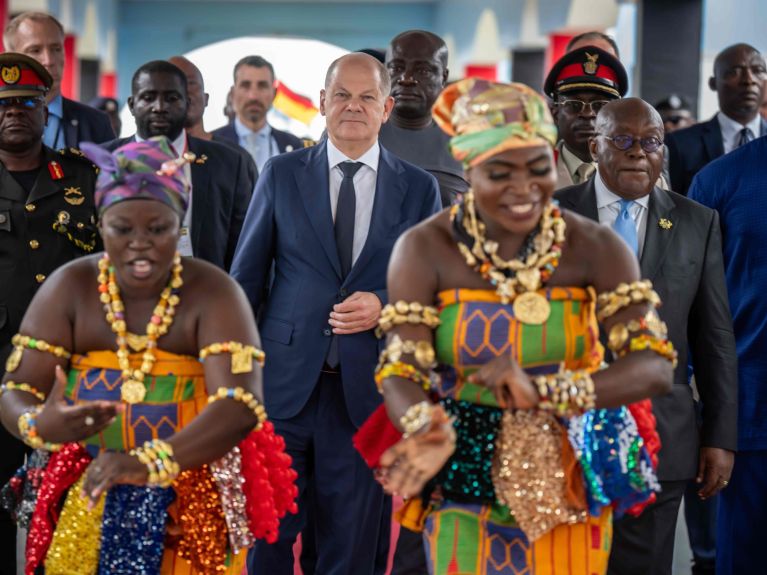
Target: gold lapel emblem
[
  {"x": 73, "y": 196},
  {"x": 10, "y": 74},
  {"x": 665, "y": 224},
  {"x": 590, "y": 66},
  {"x": 201, "y": 160}
]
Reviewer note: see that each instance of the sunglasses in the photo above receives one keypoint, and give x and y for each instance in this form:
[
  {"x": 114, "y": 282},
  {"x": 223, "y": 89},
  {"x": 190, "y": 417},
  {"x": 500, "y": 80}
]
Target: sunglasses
[
  {"x": 578, "y": 106},
  {"x": 625, "y": 142},
  {"x": 29, "y": 102}
]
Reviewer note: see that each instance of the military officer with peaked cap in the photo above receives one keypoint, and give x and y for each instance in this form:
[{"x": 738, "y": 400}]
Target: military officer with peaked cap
[
  {"x": 579, "y": 84},
  {"x": 47, "y": 218}
]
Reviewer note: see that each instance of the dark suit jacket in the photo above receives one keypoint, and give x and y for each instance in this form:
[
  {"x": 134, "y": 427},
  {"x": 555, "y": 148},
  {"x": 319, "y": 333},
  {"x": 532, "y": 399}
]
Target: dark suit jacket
[
  {"x": 290, "y": 223},
  {"x": 221, "y": 192},
  {"x": 286, "y": 142},
  {"x": 692, "y": 148},
  {"x": 685, "y": 265},
  {"x": 82, "y": 123}
]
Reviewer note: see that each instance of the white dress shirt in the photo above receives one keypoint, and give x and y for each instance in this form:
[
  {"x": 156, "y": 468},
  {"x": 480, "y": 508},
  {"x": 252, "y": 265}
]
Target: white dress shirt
[
  {"x": 364, "y": 188},
  {"x": 260, "y": 145},
  {"x": 608, "y": 208},
  {"x": 731, "y": 130}
]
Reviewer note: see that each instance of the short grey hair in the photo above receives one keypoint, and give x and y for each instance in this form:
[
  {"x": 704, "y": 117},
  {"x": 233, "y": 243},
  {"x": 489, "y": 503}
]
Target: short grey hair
[
  {"x": 384, "y": 81},
  {"x": 9, "y": 35}
]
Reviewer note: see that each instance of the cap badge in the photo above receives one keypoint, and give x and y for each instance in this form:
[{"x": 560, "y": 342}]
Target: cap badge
[
  {"x": 591, "y": 66},
  {"x": 10, "y": 74}
]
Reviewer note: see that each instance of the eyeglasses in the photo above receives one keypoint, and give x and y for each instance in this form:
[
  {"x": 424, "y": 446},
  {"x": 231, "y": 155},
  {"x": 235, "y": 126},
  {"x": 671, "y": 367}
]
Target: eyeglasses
[
  {"x": 29, "y": 102},
  {"x": 625, "y": 142},
  {"x": 578, "y": 106}
]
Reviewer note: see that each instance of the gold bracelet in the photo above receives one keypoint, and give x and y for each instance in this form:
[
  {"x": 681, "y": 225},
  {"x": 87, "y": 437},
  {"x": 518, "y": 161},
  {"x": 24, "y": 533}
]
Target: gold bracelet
[
  {"x": 566, "y": 391},
  {"x": 12, "y": 385},
  {"x": 27, "y": 424},
  {"x": 157, "y": 456},
  {"x": 246, "y": 397},
  {"x": 610, "y": 303},
  {"x": 620, "y": 332},
  {"x": 402, "y": 312},
  {"x": 403, "y": 370},
  {"x": 662, "y": 347},
  {"x": 242, "y": 355},
  {"x": 20, "y": 342},
  {"x": 416, "y": 418},
  {"x": 422, "y": 350}
]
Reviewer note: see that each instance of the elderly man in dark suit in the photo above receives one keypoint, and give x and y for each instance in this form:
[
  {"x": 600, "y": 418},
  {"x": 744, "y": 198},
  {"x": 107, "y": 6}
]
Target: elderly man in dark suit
[
  {"x": 41, "y": 36},
  {"x": 327, "y": 218},
  {"x": 739, "y": 82},
  {"x": 678, "y": 243},
  {"x": 221, "y": 187}
]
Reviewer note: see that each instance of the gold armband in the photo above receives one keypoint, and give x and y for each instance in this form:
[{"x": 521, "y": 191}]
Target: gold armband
[
  {"x": 157, "y": 456},
  {"x": 12, "y": 385},
  {"x": 422, "y": 350},
  {"x": 28, "y": 430},
  {"x": 402, "y": 312},
  {"x": 242, "y": 355},
  {"x": 610, "y": 303},
  {"x": 566, "y": 391},
  {"x": 650, "y": 323},
  {"x": 24, "y": 341},
  {"x": 239, "y": 394},
  {"x": 416, "y": 418},
  {"x": 662, "y": 347},
  {"x": 403, "y": 370}
]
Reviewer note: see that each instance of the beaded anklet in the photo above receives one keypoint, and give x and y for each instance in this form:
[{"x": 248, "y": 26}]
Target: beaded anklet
[
  {"x": 242, "y": 355},
  {"x": 20, "y": 342},
  {"x": 246, "y": 397},
  {"x": 27, "y": 423},
  {"x": 158, "y": 457},
  {"x": 13, "y": 386}
]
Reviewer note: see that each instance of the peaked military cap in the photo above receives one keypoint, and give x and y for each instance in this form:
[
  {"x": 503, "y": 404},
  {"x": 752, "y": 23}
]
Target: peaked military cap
[{"x": 587, "y": 68}]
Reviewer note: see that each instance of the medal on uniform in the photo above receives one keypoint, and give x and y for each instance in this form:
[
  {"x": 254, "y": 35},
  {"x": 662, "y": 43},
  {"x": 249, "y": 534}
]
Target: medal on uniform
[
  {"x": 132, "y": 391},
  {"x": 73, "y": 196},
  {"x": 531, "y": 308}
]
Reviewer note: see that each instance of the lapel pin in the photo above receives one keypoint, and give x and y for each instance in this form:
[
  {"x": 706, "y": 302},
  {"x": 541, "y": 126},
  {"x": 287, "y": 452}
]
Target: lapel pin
[
  {"x": 665, "y": 224},
  {"x": 201, "y": 160}
]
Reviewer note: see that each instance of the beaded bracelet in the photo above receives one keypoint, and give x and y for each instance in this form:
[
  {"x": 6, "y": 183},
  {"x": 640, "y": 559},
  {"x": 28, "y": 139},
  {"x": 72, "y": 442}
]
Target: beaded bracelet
[
  {"x": 157, "y": 456},
  {"x": 662, "y": 347},
  {"x": 27, "y": 424},
  {"x": 402, "y": 312},
  {"x": 242, "y": 355},
  {"x": 620, "y": 332},
  {"x": 417, "y": 417},
  {"x": 566, "y": 391},
  {"x": 20, "y": 342},
  {"x": 12, "y": 385},
  {"x": 403, "y": 370},
  {"x": 246, "y": 397},
  {"x": 610, "y": 303},
  {"x": 422, "y": 350}
]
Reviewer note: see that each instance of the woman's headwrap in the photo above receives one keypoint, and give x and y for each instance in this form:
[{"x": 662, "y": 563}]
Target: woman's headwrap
[
  {"x": 486, "y": 118},
  {"x": 147, "y": 170}
]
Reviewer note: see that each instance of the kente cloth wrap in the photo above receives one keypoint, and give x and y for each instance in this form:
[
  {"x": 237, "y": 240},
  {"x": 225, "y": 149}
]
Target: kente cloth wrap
[
  {"x": 486, "y": 118},
  {"x": 181, "y": 530},
  {"x": 146, "y": 170}
]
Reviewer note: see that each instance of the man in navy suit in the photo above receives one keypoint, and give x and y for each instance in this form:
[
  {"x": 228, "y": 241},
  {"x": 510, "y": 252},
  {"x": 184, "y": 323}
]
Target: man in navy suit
[
  {"x": 738, "y": 80},
  {"x": 221, "y": 186},
  {"x": 41, "y": 36},
  {"x": 327, "y": 217},
  {"x": 252, "y": 95}
]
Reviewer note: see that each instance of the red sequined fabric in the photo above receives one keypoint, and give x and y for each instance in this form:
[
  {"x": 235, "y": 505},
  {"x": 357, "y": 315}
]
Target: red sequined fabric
[{"x": 645, "y": 420}]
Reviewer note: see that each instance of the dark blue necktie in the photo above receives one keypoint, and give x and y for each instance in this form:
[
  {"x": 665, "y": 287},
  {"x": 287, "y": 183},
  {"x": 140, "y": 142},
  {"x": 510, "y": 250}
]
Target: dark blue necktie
[
  {"x": 625, "y": 227},
  {"x": 746, "y": 135},
  {"x": 344, "y": 231}
]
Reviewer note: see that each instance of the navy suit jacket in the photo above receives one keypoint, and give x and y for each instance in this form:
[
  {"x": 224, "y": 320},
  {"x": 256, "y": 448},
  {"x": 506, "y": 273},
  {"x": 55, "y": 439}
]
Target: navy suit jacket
[
  {"x": 82, "y": 123},
  {"x": 692, "y": 148},
  {"x": 286, "y": 142},
  {"x": 221, "y": 192},
  {"x": 290, "y": 223}
]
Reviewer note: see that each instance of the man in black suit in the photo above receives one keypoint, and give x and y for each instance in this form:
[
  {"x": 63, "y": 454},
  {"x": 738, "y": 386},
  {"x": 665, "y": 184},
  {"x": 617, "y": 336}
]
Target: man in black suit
[
  {"x": 221, "y": 188},
  {"x": 41, "y": 36},
  {"x": 678, "y": 243},
  {"x": 739, "y": 82},
  {"x": 253, "y": 92}
]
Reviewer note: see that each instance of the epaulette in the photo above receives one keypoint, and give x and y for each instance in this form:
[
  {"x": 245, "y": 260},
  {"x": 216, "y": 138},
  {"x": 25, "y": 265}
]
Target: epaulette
[
  {"x": 308, "y": 142},
  {"x": 77, "y": 154}
]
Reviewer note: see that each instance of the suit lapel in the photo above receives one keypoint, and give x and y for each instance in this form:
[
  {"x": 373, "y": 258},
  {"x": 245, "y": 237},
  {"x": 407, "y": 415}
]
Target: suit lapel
[
  {"x": 763, "y": 128},
  {"x": 314, "y": 187},
  {"x": 582, "y": 200},
  {"x": 564, "y": 179},
  {"x": 389, "y": 195},
  {"x": 712, "y": 139},
  {"x": 657, "y": 239},
  {"x": 69, "y": 125},
  {"x": 200, "y": 199}
]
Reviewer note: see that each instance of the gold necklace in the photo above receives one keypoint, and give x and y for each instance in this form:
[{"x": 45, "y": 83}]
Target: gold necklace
[
  {"x": 133, "y": 388},
  {"x": 519, "y": 278}
]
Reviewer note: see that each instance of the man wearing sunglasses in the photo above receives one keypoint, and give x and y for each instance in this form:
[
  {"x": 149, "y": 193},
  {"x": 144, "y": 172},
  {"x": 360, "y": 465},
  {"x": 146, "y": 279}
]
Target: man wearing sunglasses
[
  {"x": 580, "y": 84},
  {"x": 678, "y": 244},
  {"x": 47, "y": 218}
]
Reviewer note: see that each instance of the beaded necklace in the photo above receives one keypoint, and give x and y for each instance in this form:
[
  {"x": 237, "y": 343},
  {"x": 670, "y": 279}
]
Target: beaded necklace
[
  {"x": 519, "y": 278},
  {"x": 133, "y": 388}
]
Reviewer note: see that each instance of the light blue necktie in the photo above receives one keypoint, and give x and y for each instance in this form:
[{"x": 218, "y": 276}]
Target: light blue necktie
[{"x": 624, "y": 226}]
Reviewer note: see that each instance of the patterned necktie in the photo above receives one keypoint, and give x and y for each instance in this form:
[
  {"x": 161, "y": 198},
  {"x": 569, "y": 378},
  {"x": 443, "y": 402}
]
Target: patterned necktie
[
  {"x": 745, "y": 136},
  {"x": 624, "y": 226},
  {"x": 345, "y": 210}
]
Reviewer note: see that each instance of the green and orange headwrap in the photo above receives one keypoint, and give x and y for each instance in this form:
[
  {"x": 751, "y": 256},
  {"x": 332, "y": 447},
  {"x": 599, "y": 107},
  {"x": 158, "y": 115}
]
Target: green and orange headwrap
[{"x": 486, "y": 118}]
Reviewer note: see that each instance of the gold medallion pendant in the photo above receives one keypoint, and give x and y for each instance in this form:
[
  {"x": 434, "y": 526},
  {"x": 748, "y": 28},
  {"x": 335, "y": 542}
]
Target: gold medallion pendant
[
  {"x": 13, "y": 361},
  {"x": 132, "y": 391},
  {"x": 136, "y": 342},
  {"x": 531, "y": 308}
]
